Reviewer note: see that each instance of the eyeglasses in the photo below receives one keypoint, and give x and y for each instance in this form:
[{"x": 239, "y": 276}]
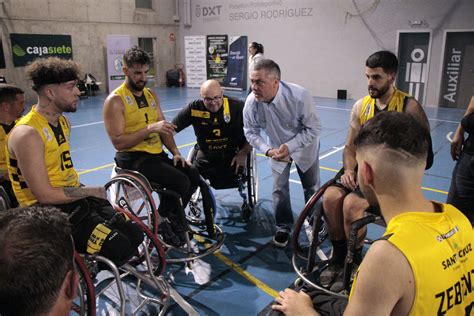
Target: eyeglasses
[{"x": 214, "y": 99}]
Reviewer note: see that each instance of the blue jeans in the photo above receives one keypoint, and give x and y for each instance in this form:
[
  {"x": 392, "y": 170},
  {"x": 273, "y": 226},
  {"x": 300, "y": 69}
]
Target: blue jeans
[
  {"x": 461, "y": 191},
  {"x": 281, "y": 192}
]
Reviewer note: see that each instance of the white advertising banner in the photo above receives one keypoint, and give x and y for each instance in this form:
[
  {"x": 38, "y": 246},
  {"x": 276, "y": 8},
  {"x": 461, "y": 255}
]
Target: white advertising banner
[
  {"x": 116, "y": 47},
  {"x": 195, "y": 56}
]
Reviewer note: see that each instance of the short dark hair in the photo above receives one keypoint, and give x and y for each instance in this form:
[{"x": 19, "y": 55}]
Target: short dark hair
[
  {"x": 8, "y": 92},
  {"x": 383, "y": 59},
  {"x": 136, "y": 56},
  {"x": 258, "y": 47},
  {"x": 51, "y": 70},
  {"x": 269, "y": 66},
  {"x": 36, "y": 253},
  {"x": 397, "y": 131}
]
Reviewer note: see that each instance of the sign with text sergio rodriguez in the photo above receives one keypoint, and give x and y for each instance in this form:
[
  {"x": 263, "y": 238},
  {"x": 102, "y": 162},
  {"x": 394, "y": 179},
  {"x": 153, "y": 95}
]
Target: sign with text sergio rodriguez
[{"x": 27, "y": 47}]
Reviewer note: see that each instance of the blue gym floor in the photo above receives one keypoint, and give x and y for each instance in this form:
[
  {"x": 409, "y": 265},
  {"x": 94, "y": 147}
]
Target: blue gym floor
[{"x": 248, "y": 271}]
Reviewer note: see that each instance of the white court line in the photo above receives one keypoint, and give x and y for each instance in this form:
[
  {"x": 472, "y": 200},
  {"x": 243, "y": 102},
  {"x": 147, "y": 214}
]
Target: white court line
[
  {"x": 336, "y": 149},
  {"x": 100, "y": 122},
  {"x": 318, "y": 106},
  {"x": 449, "y": 137}
]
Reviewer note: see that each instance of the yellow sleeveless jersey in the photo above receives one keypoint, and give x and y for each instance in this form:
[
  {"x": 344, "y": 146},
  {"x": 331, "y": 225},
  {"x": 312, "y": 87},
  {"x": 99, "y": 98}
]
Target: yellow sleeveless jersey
[
  {"x": 438, "y": 247},
  {"x": 3, "y": 158},
  {"x": 57, "y": 156},
  {"x": 138, "y": 116},
  {"x": 367, "y": 110}
]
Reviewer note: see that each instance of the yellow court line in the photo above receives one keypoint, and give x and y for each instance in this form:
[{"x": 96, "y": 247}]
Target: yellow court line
[
  {"x": 434, "y": 190},
  {"x": 234, "y": 266}
]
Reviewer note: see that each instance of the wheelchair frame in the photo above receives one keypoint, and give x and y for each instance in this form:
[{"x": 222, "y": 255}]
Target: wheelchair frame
[
  {"x": 313, "y": 265},
  {"x": 209, "y": 235},
  {"x": 250, "y": 198}
]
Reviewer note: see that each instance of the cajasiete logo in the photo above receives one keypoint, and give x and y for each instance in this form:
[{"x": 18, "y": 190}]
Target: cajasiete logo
[{"x": 41, "y": 50}]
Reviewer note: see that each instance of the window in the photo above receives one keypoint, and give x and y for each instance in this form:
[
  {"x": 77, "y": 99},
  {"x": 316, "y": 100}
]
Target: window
[{"x": 144, "y": 4}]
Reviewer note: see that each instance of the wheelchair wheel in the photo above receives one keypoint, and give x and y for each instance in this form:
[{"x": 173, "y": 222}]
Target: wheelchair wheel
[
  {"x": 85, "y": 303},
  {"x": 129, "y": 193}
]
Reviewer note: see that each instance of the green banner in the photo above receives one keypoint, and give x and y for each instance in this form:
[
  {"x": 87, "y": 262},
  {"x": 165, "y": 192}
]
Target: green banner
[{"x": 27, "y": 47}]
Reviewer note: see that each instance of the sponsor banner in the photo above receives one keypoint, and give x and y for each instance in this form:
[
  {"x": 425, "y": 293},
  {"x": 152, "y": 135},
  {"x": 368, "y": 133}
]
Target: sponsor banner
[
  {"x": 116, "y": 47},
  {"x": 244, "y": 11},
  {"x": 216, "y": 55},
  {"x": 2, "y": 55},
  {"x": 27, "y": 47},
  {"x": 195, "y": 58},
  {"x": 457, "y": 75},
  {"x": 236, "y": 77},
  {"x": 413, "y": 61}
]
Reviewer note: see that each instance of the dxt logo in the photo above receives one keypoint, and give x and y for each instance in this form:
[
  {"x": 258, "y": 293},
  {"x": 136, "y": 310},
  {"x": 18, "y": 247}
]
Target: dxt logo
[{"x": 208, "y": 11}]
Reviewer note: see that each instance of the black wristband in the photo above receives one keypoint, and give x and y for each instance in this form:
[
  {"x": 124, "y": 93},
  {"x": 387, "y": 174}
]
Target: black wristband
[{"x": 266, "y": 153}]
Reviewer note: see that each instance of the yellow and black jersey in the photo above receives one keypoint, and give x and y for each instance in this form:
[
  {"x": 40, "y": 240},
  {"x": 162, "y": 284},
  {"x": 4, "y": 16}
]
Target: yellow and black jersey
[
  {"x": 4, "y": 130},
  {"x": 57, "y": 156},
  {"x": 140, "y": 112},
  {"x": 218, "y": 132},
  {"x": 438, "y": 247},
  {"x": 369, "y": 109}
]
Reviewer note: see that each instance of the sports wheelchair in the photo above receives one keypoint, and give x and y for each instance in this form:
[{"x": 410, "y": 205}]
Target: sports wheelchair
[
  {"x": 309, "y": 262},
  {"x": 131, "y": 190},
  {"x": 246, "y": 182},
  {"x": 136, "y": 284}
]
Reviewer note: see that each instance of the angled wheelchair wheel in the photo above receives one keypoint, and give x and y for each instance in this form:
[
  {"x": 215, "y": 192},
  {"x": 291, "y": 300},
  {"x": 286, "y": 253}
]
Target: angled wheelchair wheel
[
  {"x": 85, "y": 303},
  {"x": 201, "y": 209},
  {"x": 131, "y": 194}
]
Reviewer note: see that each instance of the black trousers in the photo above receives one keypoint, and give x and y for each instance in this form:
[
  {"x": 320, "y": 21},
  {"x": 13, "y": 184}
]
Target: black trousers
[
  {"x": 159, "y": 169},
  {"x": 84, "y": 216}
]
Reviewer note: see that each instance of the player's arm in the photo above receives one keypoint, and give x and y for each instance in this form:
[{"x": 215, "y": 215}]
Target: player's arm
[
  {"x": 27, "y": 147},
  {"x": 349, "y": 179},
  {"x": 114, "y": 120},
  {"x": 182, "y": 119},
  {"x": 391, "y": 294},
  {"x": 416, "y": 110},
  {"x": 458, "y": 137}
]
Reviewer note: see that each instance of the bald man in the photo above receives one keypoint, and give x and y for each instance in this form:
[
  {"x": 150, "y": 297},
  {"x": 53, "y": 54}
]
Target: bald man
[{"x": 218, "y": 125}]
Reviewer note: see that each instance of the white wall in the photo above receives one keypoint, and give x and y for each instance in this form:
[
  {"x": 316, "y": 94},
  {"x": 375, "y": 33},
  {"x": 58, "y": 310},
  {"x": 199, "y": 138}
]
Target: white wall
[{"x": 325, "y": 47}]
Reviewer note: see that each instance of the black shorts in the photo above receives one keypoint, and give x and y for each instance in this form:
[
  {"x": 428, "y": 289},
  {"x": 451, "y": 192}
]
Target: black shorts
[
  {"x": 338, "y": 184},
  {"x": 87, "y": 213},
  {"x": 217, "y": 169}
]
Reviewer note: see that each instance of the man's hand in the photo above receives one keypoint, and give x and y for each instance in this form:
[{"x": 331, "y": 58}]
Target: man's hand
[
  {"x": 348, "y": 179},
  {"x": 456, "y": 145},
  {"x": 294, "y": 303},
  {"x": 162, "y": 127},
  {"x": 239, "y": 161},
  {"x": 177, "y": 158},
  {"x": 280, "y": 154}
]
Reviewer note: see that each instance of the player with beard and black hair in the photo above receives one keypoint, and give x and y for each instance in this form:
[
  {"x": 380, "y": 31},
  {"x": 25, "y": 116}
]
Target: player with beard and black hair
[
  {"x": 41, "y": 169},
  {"x": 138, "y": 130},
  {"x": 344, "y": 202}
]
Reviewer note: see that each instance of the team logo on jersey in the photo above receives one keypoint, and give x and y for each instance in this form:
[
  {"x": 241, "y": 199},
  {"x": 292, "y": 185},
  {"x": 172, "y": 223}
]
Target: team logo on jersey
[
  {"x": 129, "y": 100},
  {"x": 46, "y": 134},
  {"x": 153, "y": 104},
  {"x": 226, "y": 118}
]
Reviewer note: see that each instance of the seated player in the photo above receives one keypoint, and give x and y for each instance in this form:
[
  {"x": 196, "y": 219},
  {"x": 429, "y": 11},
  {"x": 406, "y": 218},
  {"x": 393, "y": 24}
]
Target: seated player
[
  {"x": 137, "y": 128},
  {"x": 343, "y": 202},
  {"x": 41, "y": 169},
  {"x": 218, "y": 125},
  {"x": 12, "y": 106},
  {"x": 37, "y": 275},
  {"x": 423, "y": 264}
]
